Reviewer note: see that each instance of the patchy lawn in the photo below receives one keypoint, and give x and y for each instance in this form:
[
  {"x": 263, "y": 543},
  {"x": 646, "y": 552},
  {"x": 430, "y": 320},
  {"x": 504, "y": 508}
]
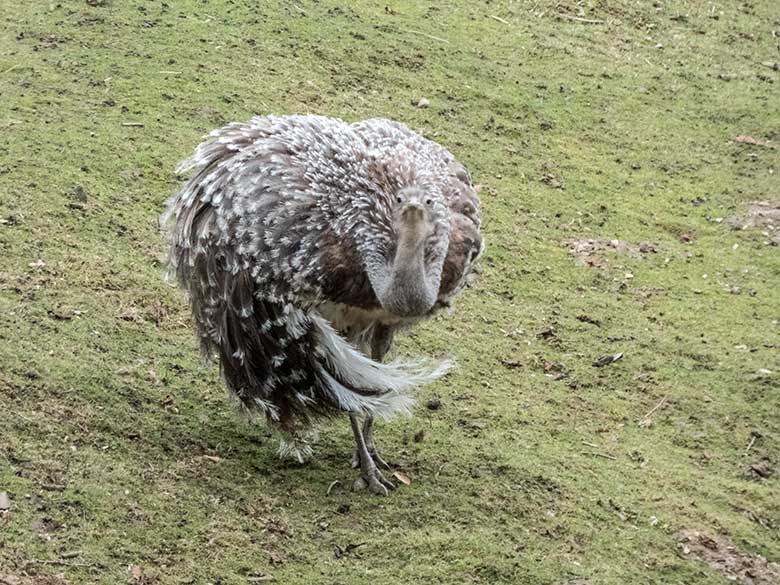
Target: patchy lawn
[{"x": 629, "y": 154}]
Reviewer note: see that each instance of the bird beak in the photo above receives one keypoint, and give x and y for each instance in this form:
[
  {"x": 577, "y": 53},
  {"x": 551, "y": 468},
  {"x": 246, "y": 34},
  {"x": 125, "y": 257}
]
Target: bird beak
[{"x": 412, "y": 210}]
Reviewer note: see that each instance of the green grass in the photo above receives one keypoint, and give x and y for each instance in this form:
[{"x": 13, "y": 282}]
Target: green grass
[{"x": 111, "y": 427}]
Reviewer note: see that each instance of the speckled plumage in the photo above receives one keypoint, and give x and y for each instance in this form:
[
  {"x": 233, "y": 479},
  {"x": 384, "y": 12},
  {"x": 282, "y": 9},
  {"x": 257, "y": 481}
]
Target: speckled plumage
[{"x": 282, "y": 238}]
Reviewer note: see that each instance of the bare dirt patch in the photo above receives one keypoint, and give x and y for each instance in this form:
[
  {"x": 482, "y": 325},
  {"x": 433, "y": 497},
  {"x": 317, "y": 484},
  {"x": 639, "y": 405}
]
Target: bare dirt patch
[
  {"x": 759, "y": 214},
  {"x": 589, "y": 251},
  {"x": 721, "y": 554}
]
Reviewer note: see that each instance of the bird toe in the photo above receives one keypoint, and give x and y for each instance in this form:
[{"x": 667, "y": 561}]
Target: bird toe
[{"x": 380, "y": 487}]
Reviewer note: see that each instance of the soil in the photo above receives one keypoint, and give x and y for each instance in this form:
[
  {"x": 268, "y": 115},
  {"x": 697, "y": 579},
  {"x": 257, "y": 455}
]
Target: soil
[{"x": 724, "y": 557}]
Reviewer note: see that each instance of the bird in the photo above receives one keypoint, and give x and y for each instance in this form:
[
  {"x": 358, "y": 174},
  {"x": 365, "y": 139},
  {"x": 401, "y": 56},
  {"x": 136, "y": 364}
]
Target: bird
[{"x": 304, "y": 244}]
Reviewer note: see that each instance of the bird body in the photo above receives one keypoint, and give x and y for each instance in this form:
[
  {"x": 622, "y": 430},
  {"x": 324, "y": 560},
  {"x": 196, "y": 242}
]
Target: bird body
[{"x": 304, "y": 242}]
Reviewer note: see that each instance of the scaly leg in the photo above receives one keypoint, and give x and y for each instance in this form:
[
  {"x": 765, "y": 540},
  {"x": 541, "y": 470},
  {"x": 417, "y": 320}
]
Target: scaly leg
[
  {"x": 369, "y": 473},
  {"x": 381, "y": 340},
  {"x": 368, "y": 437}
]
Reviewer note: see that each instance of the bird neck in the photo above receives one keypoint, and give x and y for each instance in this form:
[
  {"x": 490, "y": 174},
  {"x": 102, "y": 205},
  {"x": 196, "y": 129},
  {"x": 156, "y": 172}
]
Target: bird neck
[{"x": 409, "y": 291}]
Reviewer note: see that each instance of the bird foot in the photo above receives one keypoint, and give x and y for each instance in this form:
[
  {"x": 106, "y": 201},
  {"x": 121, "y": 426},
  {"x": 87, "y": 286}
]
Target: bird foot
[
  {"x": 367, "y": 460},
  {"x": 375, "y": 482}
]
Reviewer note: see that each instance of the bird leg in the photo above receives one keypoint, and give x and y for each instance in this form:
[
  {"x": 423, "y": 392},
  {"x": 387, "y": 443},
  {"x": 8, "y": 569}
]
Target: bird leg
[
  {"x": 368, "y": 437},
  {"x": 369, "y": 473},
  {"x": 381, "y": 340}
]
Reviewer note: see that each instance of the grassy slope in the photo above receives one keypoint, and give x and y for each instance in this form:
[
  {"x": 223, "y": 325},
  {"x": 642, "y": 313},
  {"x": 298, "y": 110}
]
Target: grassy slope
[{"x": 103, "y": 392}]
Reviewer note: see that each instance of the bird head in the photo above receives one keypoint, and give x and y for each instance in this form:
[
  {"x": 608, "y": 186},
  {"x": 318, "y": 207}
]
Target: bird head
[
  {"x": 413, "y": 209},
  {"x": 420, "y": 225}
]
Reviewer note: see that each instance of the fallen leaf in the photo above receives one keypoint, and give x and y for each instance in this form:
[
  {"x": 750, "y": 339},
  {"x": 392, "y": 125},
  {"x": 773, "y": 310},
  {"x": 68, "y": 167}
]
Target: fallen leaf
[
  {"x": 402, "y": 477},
  {"x": 762, "y": 469},
  {"x": 605, "y": 360}
]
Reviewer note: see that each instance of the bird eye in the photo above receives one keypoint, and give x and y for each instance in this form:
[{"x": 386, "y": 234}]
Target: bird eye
[
  {"x": 428, "y": 201},
  {"x": 399, "y": 199}
]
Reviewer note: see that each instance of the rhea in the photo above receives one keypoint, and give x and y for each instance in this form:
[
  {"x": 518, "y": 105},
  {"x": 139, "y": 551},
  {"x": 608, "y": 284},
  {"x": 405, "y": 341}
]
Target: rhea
[{"x": 305, "y": 243}]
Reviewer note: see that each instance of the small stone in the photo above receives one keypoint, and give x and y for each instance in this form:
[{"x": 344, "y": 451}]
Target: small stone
[
  {"x": 433, "y": 404},
  {"x": 423, "y": 103},
  {"x": 5, "y": 502}
]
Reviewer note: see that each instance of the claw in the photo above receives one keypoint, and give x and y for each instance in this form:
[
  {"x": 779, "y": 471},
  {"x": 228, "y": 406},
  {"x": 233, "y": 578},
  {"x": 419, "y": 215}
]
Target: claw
[
  {"x": 380, "y": 462},
  {"x": 377, "y": 487}
]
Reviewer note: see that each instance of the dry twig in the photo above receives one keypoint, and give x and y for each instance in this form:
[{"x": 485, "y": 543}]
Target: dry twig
[
  {"x": 750, "y": 444},
  {"x": 656, "y": 407},
  {"x": 417, "y": 32},
  {"x": 597, "y": 454},
  {"x": 498, "y": 18}
]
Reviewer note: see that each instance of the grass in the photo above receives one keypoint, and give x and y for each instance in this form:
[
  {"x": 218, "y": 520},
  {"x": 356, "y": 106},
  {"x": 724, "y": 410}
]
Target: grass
[{"x": 118, "y": 449}]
